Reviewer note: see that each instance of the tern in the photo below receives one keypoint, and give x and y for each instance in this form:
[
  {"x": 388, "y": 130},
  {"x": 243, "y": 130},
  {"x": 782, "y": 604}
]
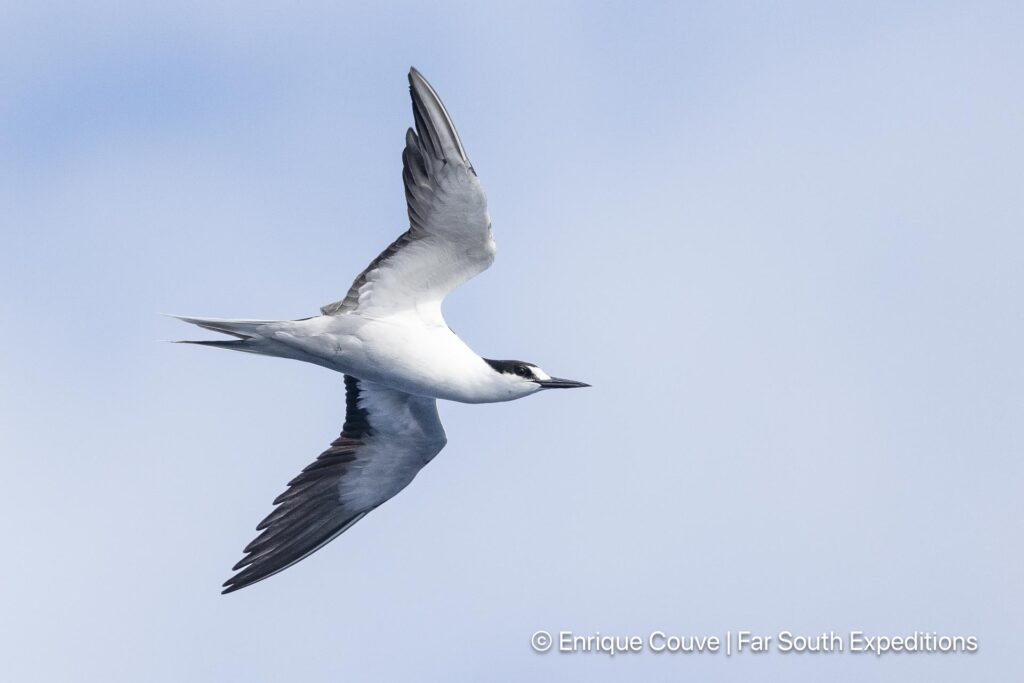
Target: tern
[{"x": 389, "y": 339}]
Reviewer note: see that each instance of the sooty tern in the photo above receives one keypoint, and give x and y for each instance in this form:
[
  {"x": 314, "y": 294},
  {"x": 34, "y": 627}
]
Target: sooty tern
[{"x": 391, "y": 342}]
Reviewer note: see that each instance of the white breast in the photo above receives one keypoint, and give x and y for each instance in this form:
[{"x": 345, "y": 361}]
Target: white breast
[{"x": 400, "y": 352}]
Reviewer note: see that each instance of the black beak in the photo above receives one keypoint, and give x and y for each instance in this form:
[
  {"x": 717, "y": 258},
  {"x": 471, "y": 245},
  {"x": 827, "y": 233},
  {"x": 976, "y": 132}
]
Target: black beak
[{"x": 558, "y": 383}]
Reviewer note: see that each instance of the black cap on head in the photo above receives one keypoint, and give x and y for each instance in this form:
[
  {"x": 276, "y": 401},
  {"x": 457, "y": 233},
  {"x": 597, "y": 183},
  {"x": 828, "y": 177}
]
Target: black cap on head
[{"x": 532, "y": 373}]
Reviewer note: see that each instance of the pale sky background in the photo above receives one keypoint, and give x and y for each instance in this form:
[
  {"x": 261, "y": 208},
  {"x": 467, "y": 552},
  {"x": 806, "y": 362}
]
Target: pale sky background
[{"x": 783, "y": 241}]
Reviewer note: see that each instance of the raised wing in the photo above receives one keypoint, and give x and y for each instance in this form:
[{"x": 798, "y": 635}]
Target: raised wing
[
  {"x": 449, "y": 237},
  {"x": 387, "y": 439}
]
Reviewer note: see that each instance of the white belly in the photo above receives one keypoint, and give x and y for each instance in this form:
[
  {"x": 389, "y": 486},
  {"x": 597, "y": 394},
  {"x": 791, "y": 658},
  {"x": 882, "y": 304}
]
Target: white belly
[{"x": 396, "y": 352}]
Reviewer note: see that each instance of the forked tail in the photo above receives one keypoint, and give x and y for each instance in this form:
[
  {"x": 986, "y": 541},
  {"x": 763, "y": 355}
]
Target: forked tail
[{"x": 248, "y": 334}]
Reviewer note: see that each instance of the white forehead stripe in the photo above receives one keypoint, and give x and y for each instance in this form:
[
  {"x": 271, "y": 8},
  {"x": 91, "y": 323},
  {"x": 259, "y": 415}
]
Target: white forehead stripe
[{"x": 539, "y": 374}]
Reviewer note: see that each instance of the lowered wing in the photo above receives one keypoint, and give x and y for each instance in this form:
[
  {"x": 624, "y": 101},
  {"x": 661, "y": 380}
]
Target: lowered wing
[{"x": 387, "y": 439}]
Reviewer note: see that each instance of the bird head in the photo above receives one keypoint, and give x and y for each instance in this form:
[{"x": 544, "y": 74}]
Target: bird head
[{"x": 521, "y": 378}]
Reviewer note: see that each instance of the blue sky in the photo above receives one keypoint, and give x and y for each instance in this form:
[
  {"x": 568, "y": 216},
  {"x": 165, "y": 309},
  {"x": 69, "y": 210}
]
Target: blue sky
[{"x": 782, "y": 240}]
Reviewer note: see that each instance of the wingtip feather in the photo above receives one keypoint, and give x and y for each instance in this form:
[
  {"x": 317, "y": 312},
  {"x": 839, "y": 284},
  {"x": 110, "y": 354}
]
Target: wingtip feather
[{"x": 433, "y": 121}]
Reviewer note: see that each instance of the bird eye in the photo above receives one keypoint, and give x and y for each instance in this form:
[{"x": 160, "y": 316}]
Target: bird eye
[{"x": 523, "y": 371}]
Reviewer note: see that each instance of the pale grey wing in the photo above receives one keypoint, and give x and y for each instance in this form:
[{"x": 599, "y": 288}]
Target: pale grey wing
[
  {"x": 449, "y": 237},
  {"x": 387, "y": 439}
]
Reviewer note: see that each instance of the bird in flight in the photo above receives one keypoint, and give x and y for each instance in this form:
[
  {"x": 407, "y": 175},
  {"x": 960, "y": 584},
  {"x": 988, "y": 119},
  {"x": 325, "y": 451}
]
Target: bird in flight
[{"x": 389, "y": 339}]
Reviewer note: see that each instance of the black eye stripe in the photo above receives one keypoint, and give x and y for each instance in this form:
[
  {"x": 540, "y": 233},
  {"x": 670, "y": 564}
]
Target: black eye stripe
[{"x": 512, "y": 367}]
